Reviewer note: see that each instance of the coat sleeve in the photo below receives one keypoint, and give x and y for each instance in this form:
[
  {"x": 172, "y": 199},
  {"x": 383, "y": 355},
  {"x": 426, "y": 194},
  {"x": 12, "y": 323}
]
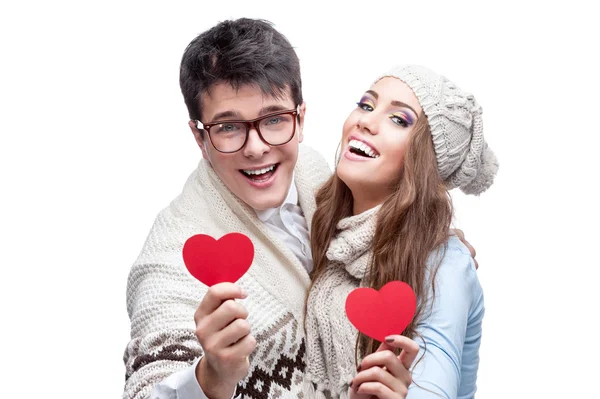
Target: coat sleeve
[
  {"x": 163, "y": 340},
  {"x": 450, "y": 334}
]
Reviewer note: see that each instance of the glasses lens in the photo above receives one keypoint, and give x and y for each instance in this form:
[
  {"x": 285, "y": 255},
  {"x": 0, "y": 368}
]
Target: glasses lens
[
  {"x": 228, "y": 137},
  {"x": 277, "y": 129}
]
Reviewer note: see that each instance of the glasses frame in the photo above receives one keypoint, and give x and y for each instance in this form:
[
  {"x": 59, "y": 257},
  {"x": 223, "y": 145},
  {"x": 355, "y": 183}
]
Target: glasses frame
[{"x": 252, "y": 123}]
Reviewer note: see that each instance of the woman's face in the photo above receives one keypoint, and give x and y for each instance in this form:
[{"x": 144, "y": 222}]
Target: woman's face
[{"x": 375, "y": 136}]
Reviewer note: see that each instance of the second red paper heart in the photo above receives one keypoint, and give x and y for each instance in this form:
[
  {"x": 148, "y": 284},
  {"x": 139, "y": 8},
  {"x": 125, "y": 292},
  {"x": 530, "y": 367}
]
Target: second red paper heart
[
  {"x": 216, "y": 261},
  {"x": 378, "y": 314}
]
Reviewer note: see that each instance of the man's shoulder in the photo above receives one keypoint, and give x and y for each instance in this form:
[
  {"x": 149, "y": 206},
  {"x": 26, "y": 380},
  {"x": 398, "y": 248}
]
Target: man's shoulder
[
  {"x": 312, "y": 160},
  {"x": 188, "y": 213},
  {"x": 311, "y": 171},
  {"x": 307, "y": 153}
]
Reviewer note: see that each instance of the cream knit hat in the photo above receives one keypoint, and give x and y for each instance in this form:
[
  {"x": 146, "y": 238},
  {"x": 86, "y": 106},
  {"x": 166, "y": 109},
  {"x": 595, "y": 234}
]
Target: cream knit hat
[{"x": 463, "y": 157}]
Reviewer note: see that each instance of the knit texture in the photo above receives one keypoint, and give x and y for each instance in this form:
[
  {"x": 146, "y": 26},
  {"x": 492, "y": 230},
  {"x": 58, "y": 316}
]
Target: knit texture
[
  {"x": 162, "y": 296},
  {"x": 463, "y": 157},
  {"x": 330, "y": 336}
]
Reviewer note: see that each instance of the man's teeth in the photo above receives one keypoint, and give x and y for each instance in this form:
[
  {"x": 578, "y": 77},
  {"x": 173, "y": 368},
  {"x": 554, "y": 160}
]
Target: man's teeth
[
  {"x": 258, "y": 171},
  {"x": 359, "y": 145}
]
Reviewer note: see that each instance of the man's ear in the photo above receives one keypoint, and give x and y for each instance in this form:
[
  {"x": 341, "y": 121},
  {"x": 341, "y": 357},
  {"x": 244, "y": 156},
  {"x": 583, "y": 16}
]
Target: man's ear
[
  {"x": 301, "y": 121},
  {"x": 199, "y": 136}
]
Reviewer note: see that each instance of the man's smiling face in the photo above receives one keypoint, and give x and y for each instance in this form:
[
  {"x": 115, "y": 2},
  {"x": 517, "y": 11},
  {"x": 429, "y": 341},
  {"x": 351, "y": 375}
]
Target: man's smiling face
[{"x": 259, "y": 174}]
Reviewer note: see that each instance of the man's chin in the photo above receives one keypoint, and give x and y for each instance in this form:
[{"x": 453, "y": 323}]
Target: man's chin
[
  {"x": 263, "y": 205},
  {"x": 270, "y": 197}
]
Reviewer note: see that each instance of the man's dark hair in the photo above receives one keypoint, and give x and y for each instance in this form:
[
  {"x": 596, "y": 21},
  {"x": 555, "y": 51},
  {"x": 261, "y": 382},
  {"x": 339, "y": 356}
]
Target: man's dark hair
[{"x": 239, "y": 52}]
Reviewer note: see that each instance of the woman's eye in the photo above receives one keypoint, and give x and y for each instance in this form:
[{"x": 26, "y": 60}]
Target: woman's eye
[
  {"x": 399, "y": 121},
  {"x": 365, "y": 106},
  {"x": 274, "y": 121}
]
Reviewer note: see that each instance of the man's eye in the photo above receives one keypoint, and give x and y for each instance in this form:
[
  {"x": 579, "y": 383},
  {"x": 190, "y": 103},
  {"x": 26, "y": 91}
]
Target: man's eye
[
  {"x": 365, "y": 106},
  {"x": 226, "y": 128}
]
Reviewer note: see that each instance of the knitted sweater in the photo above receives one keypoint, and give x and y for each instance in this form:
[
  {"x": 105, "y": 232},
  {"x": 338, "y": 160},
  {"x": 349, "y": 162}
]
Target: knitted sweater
[
  {"x": 162, "y": 296},
  {"x": 450, "y": 329}
]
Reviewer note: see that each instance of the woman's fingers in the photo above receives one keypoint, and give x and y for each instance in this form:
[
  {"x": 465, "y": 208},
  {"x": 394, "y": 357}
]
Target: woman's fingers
[
  {"x": 381, "y": 391},
  {"x": 384, "y": 374},
  {"x": 386, "y": 360},
  {"x": 379, "y": 381},
  {"x": 410, "y": 349}
]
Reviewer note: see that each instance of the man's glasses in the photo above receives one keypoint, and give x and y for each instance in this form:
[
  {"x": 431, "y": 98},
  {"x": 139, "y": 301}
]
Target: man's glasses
[{"x": 275, "y": 129}]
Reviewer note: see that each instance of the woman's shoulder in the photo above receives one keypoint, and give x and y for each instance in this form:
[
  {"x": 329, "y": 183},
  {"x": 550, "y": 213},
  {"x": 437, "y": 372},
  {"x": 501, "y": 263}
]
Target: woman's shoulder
[
  {"x": 455, "y": 272},
  {"x": 457, "y": 289},
  {"x": 456, "y": 256}
]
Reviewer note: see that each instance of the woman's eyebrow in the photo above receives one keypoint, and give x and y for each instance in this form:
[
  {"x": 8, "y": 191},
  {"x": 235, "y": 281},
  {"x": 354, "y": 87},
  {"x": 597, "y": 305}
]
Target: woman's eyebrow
[
  {"x": 394, "y": 103},
  {"x": 374, "y": 94},
  {"x": 401, "y": 104}
]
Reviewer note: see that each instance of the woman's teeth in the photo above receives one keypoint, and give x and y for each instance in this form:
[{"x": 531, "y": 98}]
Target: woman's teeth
[{"x": 364, "y": 148}]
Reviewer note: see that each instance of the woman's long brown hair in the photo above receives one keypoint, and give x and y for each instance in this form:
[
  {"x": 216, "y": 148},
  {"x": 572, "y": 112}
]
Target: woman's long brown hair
[{"x": 412, "y": 225}]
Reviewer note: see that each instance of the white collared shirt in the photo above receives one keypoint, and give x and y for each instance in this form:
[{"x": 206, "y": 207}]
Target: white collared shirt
[{"x": 289, "y": 224}]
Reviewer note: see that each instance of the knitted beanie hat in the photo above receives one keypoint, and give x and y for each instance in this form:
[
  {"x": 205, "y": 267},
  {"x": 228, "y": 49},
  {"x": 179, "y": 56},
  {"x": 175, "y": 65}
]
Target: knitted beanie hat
[{"x": 463, "y": 157}]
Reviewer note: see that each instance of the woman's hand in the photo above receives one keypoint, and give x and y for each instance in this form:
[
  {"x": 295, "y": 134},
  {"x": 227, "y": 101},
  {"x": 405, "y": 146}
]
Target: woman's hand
[{"x": 384, "y": 375}]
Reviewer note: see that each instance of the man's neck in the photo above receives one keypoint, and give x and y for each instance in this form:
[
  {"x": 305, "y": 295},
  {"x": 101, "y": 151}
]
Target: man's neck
[{"x": 291, "y": 198}]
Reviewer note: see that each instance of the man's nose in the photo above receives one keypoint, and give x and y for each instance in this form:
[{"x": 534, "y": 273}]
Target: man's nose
[{"x": 255, "y": 147}]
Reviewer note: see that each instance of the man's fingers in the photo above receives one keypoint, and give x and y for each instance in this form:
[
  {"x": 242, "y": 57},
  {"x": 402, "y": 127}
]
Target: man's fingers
[
  {"x": 245, "y": 345},
  {"x": 461, "y": 236},
  {"x": 459, "y": 233},
  {"x": 471, "y": 249},
  {"x": 232, "y": 333},
  {"x": 216, "y": 295},
  {"x": 473, "y": 253},
  {"x": 228, "y": 312},
  {"x": 241, "y": 349}
]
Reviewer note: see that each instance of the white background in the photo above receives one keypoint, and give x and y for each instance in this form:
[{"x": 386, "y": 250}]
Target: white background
[{"x": 95, "y": 142}]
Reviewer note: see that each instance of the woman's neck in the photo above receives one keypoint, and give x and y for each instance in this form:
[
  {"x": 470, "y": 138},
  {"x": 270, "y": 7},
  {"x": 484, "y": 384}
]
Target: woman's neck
[
  {"x": 362, "y": 203},
  {"x": 366, "y": 196}
]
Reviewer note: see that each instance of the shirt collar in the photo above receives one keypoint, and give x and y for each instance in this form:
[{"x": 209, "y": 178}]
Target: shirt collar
[{"x": 292, "y": 198}]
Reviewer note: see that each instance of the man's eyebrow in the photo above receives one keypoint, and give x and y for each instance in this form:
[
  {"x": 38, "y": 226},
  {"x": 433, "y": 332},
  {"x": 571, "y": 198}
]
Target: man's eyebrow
[
  {"x": 235, "y": 115},
  {"x": 272, "y": 108},
  {"x": 227, "y": 115}
]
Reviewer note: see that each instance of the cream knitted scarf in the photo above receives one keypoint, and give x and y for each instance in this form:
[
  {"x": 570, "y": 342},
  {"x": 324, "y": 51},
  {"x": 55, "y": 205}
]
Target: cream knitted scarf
[
  {"x": 162, "y": 296},
  {"x": 330, "y": 337}
]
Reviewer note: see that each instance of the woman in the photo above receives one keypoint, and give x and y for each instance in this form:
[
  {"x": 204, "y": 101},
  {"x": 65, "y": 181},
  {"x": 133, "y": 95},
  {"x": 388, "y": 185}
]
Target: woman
[{"x": 385, "y": 215}]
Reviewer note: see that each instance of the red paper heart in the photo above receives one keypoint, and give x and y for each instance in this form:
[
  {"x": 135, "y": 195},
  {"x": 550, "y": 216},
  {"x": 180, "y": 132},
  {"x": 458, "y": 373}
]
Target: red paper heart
[
  {"x": 216, "y": 261},
  {"x": 378, "y": 314}
]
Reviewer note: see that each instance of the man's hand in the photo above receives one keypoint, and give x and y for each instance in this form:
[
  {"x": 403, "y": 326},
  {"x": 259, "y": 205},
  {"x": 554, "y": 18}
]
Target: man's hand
[
  {"x": 224, "y": 333},
  {"x": 461, "y": 236}
]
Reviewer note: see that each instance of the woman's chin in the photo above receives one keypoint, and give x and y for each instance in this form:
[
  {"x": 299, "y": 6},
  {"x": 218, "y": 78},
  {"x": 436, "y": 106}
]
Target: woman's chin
[{"x": 352, "y": 176}]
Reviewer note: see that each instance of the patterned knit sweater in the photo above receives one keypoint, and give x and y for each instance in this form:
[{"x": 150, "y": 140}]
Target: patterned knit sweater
[{"x": 162, "y": 296}]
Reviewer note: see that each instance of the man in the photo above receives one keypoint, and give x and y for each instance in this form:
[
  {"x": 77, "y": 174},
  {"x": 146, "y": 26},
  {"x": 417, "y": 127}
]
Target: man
[
  {"x": 256, "y": 179},
  {"x": 241, "y": 84}
]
